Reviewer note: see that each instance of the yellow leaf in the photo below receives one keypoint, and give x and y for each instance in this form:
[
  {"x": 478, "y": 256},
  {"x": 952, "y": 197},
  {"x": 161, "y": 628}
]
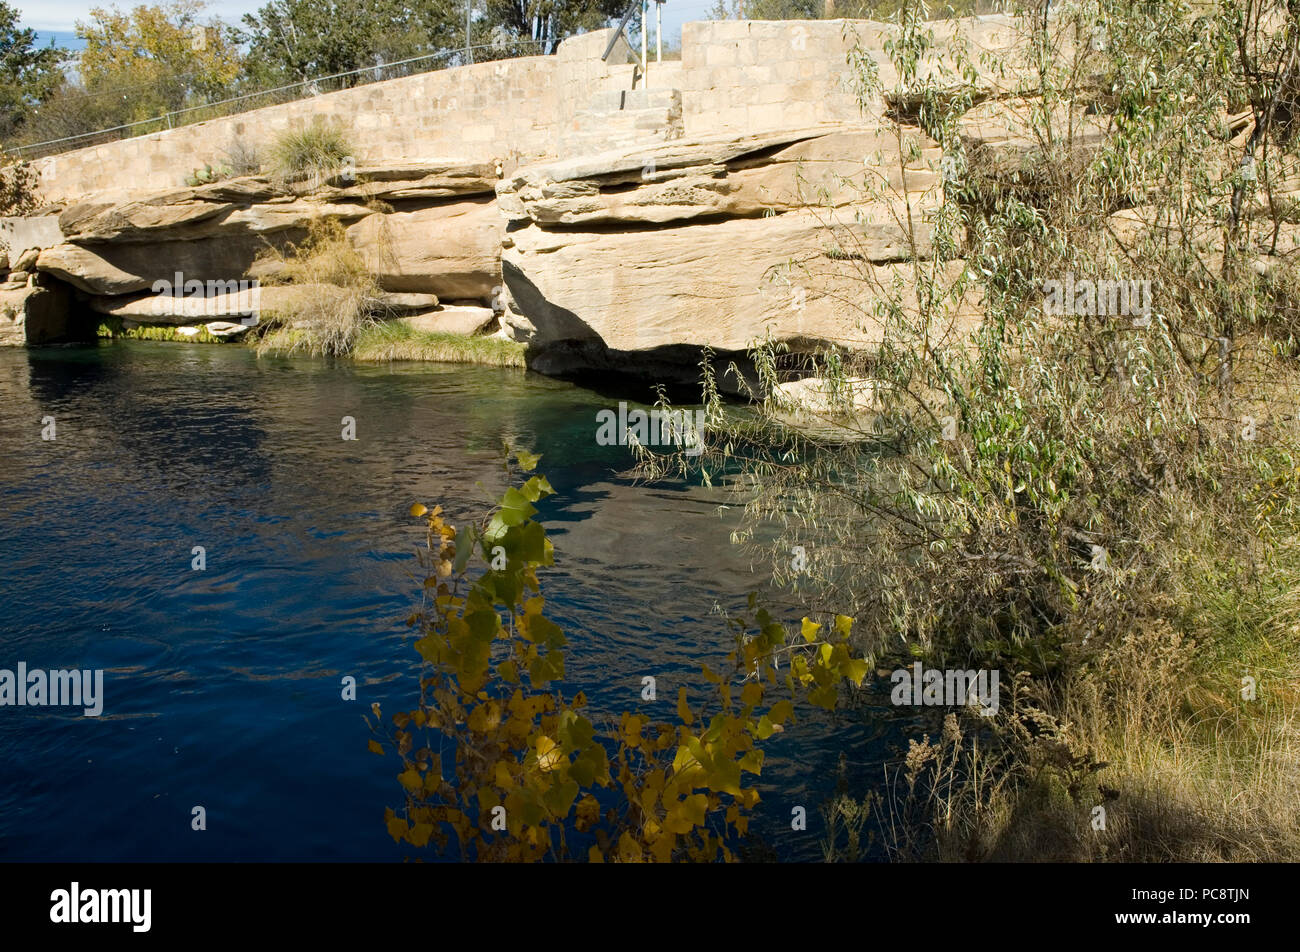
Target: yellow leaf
[
  {"x": 418, "y": 510},
  {"x": 628, "y": 850},
  {"x": 420, "y": 833},
  {"x": 632, "y": 724},
  {"x": 375, "y": 747},
  {"x": 810, "y": 630},
  {"x": 694, "y": 808},
  {"x": 676, "y": 821},
  {"x": 548, "y": 754},
  {"x": 662, "y": 848},
  {"x": 502, "y": 776},
  {"x": 594, "y": 855},
  {"x": 587, "y": 814},
  {"x": 683, "y": 709},
  {"x": 855, "y": 671}
]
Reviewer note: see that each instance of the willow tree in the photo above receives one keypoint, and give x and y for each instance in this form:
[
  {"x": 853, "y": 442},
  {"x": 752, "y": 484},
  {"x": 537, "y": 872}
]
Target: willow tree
[{"x": 1075, "y": 494}]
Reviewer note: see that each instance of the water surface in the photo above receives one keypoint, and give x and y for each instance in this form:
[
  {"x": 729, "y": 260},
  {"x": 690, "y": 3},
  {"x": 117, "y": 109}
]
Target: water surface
[{"x": 222, "y": 687}]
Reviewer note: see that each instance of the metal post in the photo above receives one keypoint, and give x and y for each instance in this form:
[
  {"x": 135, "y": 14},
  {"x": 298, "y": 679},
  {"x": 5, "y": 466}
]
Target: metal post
[
  {"x": 659, "y": 31},
  {"x": 469, "y": 9}
]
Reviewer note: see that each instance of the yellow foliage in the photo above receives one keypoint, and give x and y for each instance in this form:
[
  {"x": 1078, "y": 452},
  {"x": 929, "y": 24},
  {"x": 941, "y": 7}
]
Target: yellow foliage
[
  {"x": 520, "y": 745},
  {"x": 164, "y": 54}
]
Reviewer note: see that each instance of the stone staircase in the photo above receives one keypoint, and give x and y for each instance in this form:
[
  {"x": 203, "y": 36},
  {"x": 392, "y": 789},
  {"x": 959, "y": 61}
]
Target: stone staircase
[{"x": 616, "y": 118}]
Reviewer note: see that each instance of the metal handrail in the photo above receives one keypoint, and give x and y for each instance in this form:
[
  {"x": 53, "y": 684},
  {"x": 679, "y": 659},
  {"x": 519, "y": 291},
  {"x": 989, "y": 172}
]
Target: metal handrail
[
  {"x": 168, "y": 116},
  {"x": 622, "y": 25}
]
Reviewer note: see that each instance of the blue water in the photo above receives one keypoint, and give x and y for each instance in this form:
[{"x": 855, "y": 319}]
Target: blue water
[{"x": 223, "y": 687}]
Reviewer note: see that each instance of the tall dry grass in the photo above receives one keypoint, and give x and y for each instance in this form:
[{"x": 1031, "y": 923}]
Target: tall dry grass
[{"x": 330, "y": 294}]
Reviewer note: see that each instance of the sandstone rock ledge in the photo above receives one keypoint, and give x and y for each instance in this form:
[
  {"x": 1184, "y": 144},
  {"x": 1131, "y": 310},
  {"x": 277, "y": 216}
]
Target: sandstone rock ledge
[
  {"x": 428, "y": 230},
  {"x": 639, "y": 259},
  {"x": 634, "y": 260}
]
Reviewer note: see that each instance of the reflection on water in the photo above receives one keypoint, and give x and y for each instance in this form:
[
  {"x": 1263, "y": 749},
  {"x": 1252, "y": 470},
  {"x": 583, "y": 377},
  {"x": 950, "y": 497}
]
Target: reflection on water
[{"x": 222, "y": 687}]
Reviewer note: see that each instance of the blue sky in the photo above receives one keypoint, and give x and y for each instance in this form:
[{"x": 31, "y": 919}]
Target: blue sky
[
  {"x": 60, "y": 16},
  {"x": 57, "y": 18}
]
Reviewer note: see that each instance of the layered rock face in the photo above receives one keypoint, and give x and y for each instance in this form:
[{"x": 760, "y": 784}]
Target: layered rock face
[
  {"x": 40, "y": 315},
  {"x": 636, "y": 259},
  {"x": 668, "y": 228},
  {"x": 618, "y": 258},
  {"x": 437, "y": 233},
  {"x": 430, "y": 233}
]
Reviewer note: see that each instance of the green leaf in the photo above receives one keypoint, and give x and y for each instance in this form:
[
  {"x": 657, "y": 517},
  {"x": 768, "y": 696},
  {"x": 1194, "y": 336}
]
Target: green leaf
[
  {"x": 515, "y": 508},
  {"x": 465, "y": 540},
  {"x": 532, "y": 543},
  {"x": 559, "y": 799},
  {"x": 726, "y": 777},
  {"x": 527, "y": 460},
  {"x": 483, "y": 625},
  {"x": 546, "y": 668},
  {"x": 535, "y": 489},
  {"x": 575, "y": 731},
  {"x": 541, "y": 630}
]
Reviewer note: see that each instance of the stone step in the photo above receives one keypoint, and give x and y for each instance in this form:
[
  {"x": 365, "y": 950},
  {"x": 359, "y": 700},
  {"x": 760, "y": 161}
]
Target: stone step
[
  {"x": 622, "y": 100},
  {"x": 640, "y": 119},
  {"x": 622, "y": 117}
]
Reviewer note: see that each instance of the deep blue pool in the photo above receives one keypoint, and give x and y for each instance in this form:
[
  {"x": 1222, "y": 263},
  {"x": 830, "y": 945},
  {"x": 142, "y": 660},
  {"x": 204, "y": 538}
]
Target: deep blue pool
[{"x": 223, "y": 687}]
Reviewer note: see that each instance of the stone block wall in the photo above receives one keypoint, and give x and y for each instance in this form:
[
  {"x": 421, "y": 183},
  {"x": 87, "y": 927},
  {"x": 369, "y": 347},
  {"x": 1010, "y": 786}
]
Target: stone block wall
[
  {"x": 764, "y": 75},
  {"x": 746, "y": 76},
  {"x": 754, "y": 75},
  {"x": 478, "y": 112}
]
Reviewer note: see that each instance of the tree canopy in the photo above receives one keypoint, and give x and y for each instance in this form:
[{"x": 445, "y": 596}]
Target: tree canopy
[
  {"x": 28, "y": 74},
  {"x": 295, "y": 40},
  {"x": 158, "y": 57}
]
